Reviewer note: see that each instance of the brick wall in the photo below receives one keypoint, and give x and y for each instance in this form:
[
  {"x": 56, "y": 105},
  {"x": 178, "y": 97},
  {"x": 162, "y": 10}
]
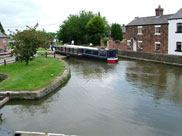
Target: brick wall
[
  {"x": 149, "y": 38},
  {"x": 3, "y": 43},
  {"x": 114, "y": 45}
]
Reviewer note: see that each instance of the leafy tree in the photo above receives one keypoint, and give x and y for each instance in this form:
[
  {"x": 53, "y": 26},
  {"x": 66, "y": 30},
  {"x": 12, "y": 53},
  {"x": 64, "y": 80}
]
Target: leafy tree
[
  {"x": 46, "y": 39},
  {"x": 96, "y": 28},
  {"x": 74, "y": 28},
  {"x": 1, "y": 28},
  {"x": 51, "y": 35},
  {"x": 27, "y": 42},
  {"x": 116, "y": 32}
]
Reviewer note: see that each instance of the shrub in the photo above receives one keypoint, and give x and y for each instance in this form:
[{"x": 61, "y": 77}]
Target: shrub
[
  {"x": 117, "y": 41},
  {"x": 104, "y": 40},
  {"x": 116, "y": 32}
]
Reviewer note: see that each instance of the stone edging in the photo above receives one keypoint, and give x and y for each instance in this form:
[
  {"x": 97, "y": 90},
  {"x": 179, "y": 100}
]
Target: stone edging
[
  {"x": 149, "y": 60},
  {"x": 39, "y": 93},
  {"x": 152, "y": 57}
]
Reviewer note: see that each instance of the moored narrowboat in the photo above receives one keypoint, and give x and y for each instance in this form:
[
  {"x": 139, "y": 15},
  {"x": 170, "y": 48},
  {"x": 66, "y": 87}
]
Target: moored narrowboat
[
  {"x": 4, "y": 53},
  {"x": 110, "y": 55}
]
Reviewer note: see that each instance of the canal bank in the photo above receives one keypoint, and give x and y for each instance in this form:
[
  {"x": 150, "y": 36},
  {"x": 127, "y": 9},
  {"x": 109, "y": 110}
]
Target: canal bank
[
  {"x": 152, "y": 57},
  {"x": 39, "y": 93}
]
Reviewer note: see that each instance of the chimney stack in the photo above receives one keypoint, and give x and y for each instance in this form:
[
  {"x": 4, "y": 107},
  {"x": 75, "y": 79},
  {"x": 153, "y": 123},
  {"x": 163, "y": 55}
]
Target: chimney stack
[{"x": 159, "y": 11}]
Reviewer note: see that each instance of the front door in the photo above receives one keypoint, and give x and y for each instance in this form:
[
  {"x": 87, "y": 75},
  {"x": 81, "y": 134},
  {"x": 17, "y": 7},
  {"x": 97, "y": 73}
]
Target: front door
[{"x": 134, "y": 45}]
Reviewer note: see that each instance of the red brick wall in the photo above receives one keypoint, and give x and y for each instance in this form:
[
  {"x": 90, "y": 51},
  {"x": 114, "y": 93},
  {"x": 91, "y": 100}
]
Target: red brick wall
[
  {"x": 3, "y": 43},
  {"x": 149, "y": 38},
  {"x": 114, "y": 45}
]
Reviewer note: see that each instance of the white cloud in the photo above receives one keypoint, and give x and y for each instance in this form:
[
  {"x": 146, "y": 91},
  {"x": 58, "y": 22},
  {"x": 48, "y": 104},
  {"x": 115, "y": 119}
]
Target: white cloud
[{"x": 29, "y": 12}]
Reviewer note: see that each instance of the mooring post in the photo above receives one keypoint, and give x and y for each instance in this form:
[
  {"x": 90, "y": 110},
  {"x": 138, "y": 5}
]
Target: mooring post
[
  {"x": 46, "y": 54},
  {"x": 54, "y": 55},
  {"x": 5, "y": 62}
]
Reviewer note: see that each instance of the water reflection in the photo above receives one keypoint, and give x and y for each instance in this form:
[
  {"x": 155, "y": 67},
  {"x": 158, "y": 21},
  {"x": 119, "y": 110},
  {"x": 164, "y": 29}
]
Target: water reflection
[
  {"x": 161, "y": 81},
  {"x": 90, "y": 69},
  {"x": 32, "y": 107}
]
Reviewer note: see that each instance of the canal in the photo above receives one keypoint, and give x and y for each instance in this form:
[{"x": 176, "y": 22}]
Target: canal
[{"x": 131, "y": 98}]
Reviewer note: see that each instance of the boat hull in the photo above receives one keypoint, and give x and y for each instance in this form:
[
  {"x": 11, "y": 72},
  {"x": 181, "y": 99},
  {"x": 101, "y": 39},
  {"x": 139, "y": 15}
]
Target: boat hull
[
  {"x": 112, "y": 60},
  {"x": 4, "y": 53}
]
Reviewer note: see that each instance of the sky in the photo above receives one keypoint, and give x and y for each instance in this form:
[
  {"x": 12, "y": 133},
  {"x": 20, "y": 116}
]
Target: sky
[{"x": 50, "y": 14}]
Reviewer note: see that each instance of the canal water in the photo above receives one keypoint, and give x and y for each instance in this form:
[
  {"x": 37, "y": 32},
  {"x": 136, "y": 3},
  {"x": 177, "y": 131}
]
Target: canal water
[{"x": 131, "y": 98}]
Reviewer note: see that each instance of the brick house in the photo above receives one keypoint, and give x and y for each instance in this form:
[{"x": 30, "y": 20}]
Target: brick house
[
  {"x": 151, "y": 34},
  {"x": 3, "y": 42}
]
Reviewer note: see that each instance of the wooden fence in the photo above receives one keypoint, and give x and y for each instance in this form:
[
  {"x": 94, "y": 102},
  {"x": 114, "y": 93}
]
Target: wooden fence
[{"x": 7, "y": 61}]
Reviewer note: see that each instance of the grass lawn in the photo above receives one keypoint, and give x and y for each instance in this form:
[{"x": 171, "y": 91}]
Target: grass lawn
[
  {"x": 42, "y": 49},
  {"x": 39, "y": 73}
]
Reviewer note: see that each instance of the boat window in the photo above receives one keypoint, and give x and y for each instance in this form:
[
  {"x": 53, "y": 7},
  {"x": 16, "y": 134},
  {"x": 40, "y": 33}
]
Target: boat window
[
  {"x": 88, "y": 51},
  {"x": 95, "y": 52}
]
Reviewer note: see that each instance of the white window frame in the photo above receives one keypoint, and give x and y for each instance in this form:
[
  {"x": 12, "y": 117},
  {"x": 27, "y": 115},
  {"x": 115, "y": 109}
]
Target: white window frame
[
  {"x": 156, "y": 46},
  {"x": 129, "y": 43},
  {"x": 157, "y": 33},
  {"x": 140, "y": 30},
  {"x": 140, "y": 46}
]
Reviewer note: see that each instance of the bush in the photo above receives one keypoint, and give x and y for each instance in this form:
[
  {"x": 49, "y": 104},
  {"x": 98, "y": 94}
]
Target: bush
[
  {"x": 104, "y": 40},
  {"x": 116, "y": 32},
  {"x": 117, "y": 41}
]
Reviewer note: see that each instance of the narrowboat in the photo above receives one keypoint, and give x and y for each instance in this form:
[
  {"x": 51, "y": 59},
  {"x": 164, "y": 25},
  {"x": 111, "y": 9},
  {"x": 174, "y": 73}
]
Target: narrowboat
[
  {"x": 4, "y": 53},
  {"x": 110, "y": 55}
]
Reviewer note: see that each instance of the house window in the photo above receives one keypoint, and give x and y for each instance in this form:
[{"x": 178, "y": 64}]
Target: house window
[
  {"x": 140, "y": 46},
  {"x": 157, "y": 29},
  {"x": 139, "y": 30},
  {"x": 179, "y": 28},
  {"x": 129, "y": 43},
  {"x": 178, "y": 46},
  {"x": 157, "y": 46}
]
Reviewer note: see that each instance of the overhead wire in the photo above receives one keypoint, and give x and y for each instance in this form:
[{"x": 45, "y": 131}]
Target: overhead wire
[{"x": 9, "y": 27}]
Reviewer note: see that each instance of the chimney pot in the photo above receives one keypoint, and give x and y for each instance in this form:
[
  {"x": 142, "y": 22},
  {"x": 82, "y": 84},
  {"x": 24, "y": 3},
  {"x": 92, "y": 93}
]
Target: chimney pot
[{"x": 159, "y": 11}]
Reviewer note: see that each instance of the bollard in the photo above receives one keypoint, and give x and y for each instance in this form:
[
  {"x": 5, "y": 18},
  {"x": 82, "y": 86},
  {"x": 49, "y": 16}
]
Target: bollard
[
  {"x": 46, "y": 54},
  {"x": 54, "y": 55},
  {"x": 5, "y": 62}
]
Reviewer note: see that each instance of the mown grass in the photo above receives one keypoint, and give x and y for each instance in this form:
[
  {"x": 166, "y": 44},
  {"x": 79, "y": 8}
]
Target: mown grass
[
  {"x": 42, "y": 49},
  {"x": 39, "y": 73}
]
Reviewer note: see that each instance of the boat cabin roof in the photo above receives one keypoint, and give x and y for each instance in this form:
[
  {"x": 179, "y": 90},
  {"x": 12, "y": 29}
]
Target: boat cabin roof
[{"x": 80, "y": 47}]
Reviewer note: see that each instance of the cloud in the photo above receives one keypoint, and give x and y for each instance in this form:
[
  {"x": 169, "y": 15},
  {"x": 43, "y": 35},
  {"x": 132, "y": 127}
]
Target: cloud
[
  {"x": 29, "y": 12},
  {"x": 18, "y": 13}
]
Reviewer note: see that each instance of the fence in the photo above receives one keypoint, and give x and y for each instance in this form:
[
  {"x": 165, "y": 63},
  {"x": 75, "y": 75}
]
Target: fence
[
  {"x": 46, "y": 53},
  {"x": 11, "y": 60},
  {"x": 7, "y": 61}
]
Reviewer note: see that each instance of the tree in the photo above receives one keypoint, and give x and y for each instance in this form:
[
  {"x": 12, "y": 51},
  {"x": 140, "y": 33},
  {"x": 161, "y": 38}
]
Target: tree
[
  {"x": 27, "y": 42},
  {"x": 116, "y": 32},
  {"x": 74, "y": 28},
  {"x": 49, "y": 37},
  {"x": 96, "y": 29},
  {"x": 2, "y": 29}
]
